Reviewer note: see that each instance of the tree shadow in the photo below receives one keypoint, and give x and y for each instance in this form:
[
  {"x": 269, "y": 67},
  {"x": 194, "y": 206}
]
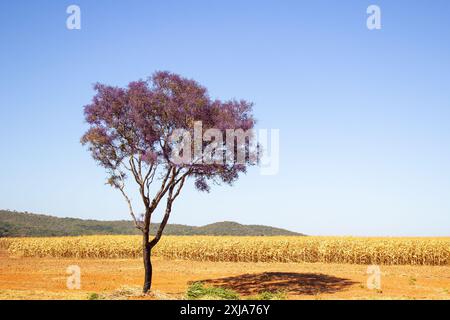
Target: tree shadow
[{"x": 289, "y": 282}]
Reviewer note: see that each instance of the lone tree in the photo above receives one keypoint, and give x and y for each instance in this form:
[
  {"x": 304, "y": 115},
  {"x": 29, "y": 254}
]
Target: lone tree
[{"x": 143, "y": 131}]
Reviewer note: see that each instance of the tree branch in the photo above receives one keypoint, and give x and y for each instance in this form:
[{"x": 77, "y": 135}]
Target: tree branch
[
  {"x": 177, "y": 193},
  {"x": 149, "y": 177},
  {"x": 170, "y": 199},
  {"x": 136, "y": 175},
  {"x": 164, "y": 186},
  {"x": 163, "y": 224},
  {"x": 137, "y": 223}
]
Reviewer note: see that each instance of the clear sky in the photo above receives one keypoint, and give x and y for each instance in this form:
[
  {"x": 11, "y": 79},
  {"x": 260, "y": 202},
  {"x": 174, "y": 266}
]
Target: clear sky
[{"x": 363, "y": 115}]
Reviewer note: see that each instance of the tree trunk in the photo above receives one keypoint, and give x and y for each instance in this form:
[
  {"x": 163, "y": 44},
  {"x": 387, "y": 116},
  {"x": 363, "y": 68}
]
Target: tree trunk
[{"x": 147, "y": 253}]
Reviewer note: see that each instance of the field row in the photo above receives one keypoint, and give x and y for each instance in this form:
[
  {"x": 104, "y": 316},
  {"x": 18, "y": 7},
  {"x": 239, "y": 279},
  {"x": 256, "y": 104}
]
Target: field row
[{"x": 385, "y": 251}]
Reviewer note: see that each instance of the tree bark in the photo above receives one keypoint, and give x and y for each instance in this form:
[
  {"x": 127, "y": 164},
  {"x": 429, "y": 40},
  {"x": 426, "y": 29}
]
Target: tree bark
[
  {"x": 147, "y": 254},
  {"x": 147, "y": 245}
]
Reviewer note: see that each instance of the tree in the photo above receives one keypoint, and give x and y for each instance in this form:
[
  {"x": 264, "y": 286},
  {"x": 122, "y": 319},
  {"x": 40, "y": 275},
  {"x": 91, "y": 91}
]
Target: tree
[{"x": 145, "y": 131}]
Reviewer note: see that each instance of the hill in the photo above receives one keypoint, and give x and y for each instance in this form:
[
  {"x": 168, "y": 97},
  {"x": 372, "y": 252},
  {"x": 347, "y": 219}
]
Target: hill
[{"x": 18, "y": 224}]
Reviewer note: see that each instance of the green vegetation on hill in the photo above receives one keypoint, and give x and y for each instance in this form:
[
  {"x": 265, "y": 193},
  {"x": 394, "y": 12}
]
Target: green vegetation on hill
[{"x": 17, "y": 224}]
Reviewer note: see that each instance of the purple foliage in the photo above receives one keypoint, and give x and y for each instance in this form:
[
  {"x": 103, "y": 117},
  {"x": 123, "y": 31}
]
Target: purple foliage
[{"x": 136, "y": 123}]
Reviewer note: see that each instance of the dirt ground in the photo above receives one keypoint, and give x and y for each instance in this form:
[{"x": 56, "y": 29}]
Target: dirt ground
[{"x": 45, "y": 278}]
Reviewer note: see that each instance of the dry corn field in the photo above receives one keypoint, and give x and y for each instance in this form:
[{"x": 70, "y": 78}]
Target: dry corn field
[{"x": 385, "y": 251}]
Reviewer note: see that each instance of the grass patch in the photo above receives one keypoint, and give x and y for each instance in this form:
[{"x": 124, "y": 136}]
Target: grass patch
[
  {"x": 93, "y": 296},
  {"x": 198, "y": 291},
  {"x": 270, "y": 295}
]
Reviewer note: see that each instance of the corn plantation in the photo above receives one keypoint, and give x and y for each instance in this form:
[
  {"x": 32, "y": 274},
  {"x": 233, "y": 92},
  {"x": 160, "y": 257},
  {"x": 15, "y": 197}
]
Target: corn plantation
[{"x": 387, "y": 251}]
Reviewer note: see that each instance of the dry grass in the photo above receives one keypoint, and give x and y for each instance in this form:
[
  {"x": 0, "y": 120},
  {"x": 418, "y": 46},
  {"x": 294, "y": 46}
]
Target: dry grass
[
  {"x": 45, "y": 278},
  {"x": 352, "y": 250}
]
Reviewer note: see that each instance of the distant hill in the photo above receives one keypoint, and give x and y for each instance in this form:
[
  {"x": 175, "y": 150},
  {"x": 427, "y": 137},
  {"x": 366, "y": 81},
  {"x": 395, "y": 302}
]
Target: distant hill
[{"x": 18, "y": 224}]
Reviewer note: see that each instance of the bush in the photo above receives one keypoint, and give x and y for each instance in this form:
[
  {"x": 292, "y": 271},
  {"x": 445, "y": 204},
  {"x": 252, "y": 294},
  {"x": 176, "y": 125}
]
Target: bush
[
  {"x": 197, "y": 291},
  {"x": 268, "y": 295},
  {"x": 93, "y": 296}
]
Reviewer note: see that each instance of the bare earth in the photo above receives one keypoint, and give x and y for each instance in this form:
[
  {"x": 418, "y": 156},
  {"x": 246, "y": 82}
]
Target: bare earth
[{"x": 45, "y": 278}]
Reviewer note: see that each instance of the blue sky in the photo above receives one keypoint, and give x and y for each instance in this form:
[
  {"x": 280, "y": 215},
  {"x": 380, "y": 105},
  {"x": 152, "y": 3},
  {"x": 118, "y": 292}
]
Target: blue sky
[{"x": 363, "y": 115}]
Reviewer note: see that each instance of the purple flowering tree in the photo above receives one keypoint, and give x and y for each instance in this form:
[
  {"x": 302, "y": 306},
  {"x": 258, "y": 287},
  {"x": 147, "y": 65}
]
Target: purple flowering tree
[{"x": 132, "y": 132}]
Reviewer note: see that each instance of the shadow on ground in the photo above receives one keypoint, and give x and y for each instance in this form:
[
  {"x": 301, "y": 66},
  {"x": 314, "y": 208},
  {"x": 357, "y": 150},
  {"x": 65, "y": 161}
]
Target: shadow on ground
[{"x": 289, "y": 282}]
